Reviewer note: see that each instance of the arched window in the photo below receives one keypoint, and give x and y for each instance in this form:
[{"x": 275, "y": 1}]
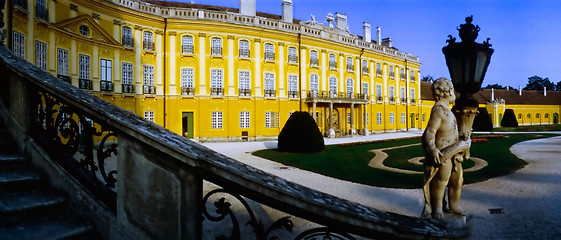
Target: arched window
[
  {"x": 126, "y": 37},
  {"x": 546, "y": 115},
  {"x": 332, "y": 61},
  {"x": 350, "y": 87},
  {"x": 269, "y": 52},
  {"x": 520, "y": 116},
  {"x": 292, "y": 55},
  {"x": 313, "y": 58},
  {"x": 537, "y": 115},
  {"x": 378, "y": 69},
  {"x": 148, "y": 41},
  {"x": 529, "y": 116}
]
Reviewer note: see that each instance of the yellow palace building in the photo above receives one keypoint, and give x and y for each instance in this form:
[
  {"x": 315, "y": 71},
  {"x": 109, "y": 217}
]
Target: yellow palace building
[{"x": 214, "y": 73}]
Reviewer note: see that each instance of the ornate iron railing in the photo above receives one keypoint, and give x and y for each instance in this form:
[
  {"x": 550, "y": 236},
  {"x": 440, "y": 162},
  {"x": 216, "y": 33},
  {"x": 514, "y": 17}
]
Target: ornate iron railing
[
  {"x": 153, "y": 179},
  {"x": 128, "y": 88}
]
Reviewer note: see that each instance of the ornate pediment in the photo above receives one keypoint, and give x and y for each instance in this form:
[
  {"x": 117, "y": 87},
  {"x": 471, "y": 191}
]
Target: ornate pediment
[{"x": 86, "y": 27}]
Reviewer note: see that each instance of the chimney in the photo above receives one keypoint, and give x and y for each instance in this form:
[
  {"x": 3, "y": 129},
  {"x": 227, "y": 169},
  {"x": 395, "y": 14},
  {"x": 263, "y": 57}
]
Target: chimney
[
  {"x": 366, "y": 32},
  {"x": 492, "y": 94},
  {"x": 379, "y": 35},
  {"x": 519, "y": 90},
  {"x": 341, "y": 21},
  {"x": 544, "y": 91},
  {"x": 247, "y": 7},
  {"x": 387, "y": 42},
  {"x": 287, "y": 13}
]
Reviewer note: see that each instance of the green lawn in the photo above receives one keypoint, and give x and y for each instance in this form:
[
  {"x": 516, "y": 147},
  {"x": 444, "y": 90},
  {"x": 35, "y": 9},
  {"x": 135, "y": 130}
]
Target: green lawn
[{"x": 350, "y": 162}]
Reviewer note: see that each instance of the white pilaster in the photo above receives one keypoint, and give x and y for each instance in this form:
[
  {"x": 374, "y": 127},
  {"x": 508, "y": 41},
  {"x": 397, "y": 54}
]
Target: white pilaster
[
  {"x": 29, "y": 39},
  {"x": 137, "y": 60},
  {"x": 95, "y": 68},
  {"x": 117, "y": 87},
  {"x": 323, "y": 66},
  {"x": 159, "y": 64},
  {"x": 202, "y": 68},
  {"x": 257, "y": 73},
  {"x": 342, "y": 66},
  {"x": 303, "y": 73},
  {"x": 172, "y": 90},
  {"x": 230, "y": 70},
  {"x": 282, "y": 76},
  {"x": 52, "y": 53},
  {"x": 73, "y": 62}
]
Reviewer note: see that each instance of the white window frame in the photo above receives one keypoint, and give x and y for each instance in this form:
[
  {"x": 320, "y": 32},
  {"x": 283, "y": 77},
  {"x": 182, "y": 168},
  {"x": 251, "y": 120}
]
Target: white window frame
[
  {"x": 350, "y": 84},
  {"x": 127, "y": 72},
  {"x": 392, "y": 118},
  {"x": 148, "y": 41},
  {"x": 412, "y": 75},
  {"x": 379, "y": 118},
  {"x": 244, "y": 48},
  {"x": 216, "y": 46},
  {"x": 350, "y": 64},
  {"x": 272, "y": 120},
  {"x": 269, "y": 52},
  {"x": 379, "y": 69},
  {"x": 402, "y": 118},
  {"x": 392, "y": 73},
  {"x": 149, "y": 116},
  {"x": 84, "y": 66},
  {"x": 292, "y": 55},
  {"x": 314, "y": 60},
  {"x": 216, "y": 120},
  {"x": 187, "y": 77},
  {"x": 18, "y": 45},
  {"x": 293, "y": 85},
  {"x": 41, "y": 55},
  {"x": 402, "y": 95},
  {"x": 217, "y": 81},
  {"x": 402, "y": 74},
  {"x": 106, "y": 69},
  {"x": 126, "y": 36},
  {"x": 365, "y": 66},
  {"x": 314, "y": 84},
  {"x": 148, "y": 74},
  {"x": 412, "y": 95},
  {"x": 245, "y": 119},
  {"x": 333, "y": 86},
  {"x": 379, "y": 95},
  {"x": 391, "y": 93},
  {"x": 187, "y": 46},
  {"x": 269, "y": 81},
  {"x": 62, "y": 62},
  {"x": 332, "y": 61},
  {"x": 244, "y": 81}
]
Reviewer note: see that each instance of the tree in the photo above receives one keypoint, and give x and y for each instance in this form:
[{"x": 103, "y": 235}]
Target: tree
[
  {"x": 427, "y": 78},
  {"x": 482, "y": 121},
  {"x": 495, "y": 86},
  {"x": 509, "y": 119},
  {"x": 538, "y": 83},
  {"x": 558, "y": 86},
  {"x": 300, "y": 134}
]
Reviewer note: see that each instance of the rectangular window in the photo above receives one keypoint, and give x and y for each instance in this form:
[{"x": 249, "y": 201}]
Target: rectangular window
[
  {"x": 269, "y": 52},
  {"x": 148, "y": 41},
  {"x": 292, "y": 86},
  {"x": 292, "y": 55},
  {"x": 364, "y": 66},
  {"x": 216, "y": 46},
  {"x": 378, "y": 69},
  {"x": 244, "y": 49},
  {"x": 412, "y": 76},
  {"x": 272, "y": 120},
  {"x": 187, "y": 81},
  {"x": 84, "y": 66},
  {"x": 187, "y": 45},
  {"x": 149, "y": 116},
  {"x": 216, "y": 120},
  {"x": 392, "y": 94},
  {"x": 41, "y": 9},
  {"x": 412, "y": 95},
  {"x": 148, "y": 74},
  {"x": 350, "y": 64},
  {"x": 314, "y": 58},
  {"x": 18, "y": 46},
  {"x": 127, "y": 37},
  {"x": 392, "y": 118},
  {"x": 379, "y": 118},
  {"x": 244, "y": 119},
  {"x": 350, "y": 88},
  {"x": 332, "y": 61},
  {"x": 270, "y": 85},
  {"x": 106, "y": 75},
  {"x": 364, "y": 90},
  {"x": 402, "y": 73},
  {"x": 402, "y": 95},
  {"x": 41, "y": 55},
  {"x": 217, "y": 82},
  {"x": 244, "y": 82},
  {"x": 402, "y": 118},
  {"x": 21, "y": 3},
  {"x": 348, "y": 119},
  {"x": 62, "y": 65},
  {"x": 392, "y": 73},
  {"x": 127, "y": 78},
  {"x": 314, "y": 85},
  {"x": 333, "y": 87},
  {"x": 379, "y": 92}
]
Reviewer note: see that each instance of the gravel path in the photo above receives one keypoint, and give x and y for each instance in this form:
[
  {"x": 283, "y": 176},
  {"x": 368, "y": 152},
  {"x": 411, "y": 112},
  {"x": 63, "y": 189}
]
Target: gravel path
[{"x": 527, "y": 203}]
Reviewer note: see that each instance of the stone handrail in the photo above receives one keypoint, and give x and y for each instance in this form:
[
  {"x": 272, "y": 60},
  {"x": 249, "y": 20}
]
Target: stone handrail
[{"x": 158, "y": 180}]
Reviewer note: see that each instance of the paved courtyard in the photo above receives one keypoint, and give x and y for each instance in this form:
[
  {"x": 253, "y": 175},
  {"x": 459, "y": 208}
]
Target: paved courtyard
[{"x": 522, "y": 205}]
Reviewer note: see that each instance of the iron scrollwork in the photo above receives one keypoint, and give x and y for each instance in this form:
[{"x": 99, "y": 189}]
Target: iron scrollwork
[
  {"x": 223, "y": 210},
  {"x": 81, "y": 146}
]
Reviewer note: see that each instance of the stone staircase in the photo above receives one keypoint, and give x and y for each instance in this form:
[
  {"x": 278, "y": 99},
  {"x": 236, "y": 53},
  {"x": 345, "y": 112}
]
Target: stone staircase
[{"x": 29, "y": 208}]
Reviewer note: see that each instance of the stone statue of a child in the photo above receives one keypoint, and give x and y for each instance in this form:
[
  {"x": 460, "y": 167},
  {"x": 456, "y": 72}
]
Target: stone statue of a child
[{"x": 443, "y": 152}]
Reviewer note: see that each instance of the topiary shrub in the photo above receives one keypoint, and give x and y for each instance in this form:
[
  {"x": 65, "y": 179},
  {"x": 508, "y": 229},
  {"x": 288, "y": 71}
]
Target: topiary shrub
[
  {"x": 482, "y": 121},
  {"x": 300, "y": 134},
  {"x": 509, "y": 119}
]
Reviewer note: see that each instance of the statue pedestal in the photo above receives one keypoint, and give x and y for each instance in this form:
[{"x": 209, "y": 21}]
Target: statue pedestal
[{"x": 451, "y": 221}]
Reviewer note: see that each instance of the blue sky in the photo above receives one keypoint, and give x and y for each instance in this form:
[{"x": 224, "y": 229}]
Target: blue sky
[{"x": 526, "y": 34}]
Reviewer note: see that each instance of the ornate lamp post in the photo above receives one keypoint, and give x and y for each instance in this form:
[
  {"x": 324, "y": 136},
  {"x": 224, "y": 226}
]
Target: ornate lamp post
[{"x": 467, "y": 63}]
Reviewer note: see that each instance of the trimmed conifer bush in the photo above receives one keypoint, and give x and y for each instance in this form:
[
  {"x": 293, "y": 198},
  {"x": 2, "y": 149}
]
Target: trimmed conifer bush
[
  {"x": 300, "y": 134},
  {"x": 482, "y": 121},
  {"x": 509, "y": 119}
]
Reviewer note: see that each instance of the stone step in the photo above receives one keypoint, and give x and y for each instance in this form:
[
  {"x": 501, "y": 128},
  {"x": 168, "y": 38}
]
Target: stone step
[
  {"x": 13, "y": 176},
  {"x": 21, "y": 202},
  {"x": 48, "y": 226},
  {"x": 12, "y": 158}
]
